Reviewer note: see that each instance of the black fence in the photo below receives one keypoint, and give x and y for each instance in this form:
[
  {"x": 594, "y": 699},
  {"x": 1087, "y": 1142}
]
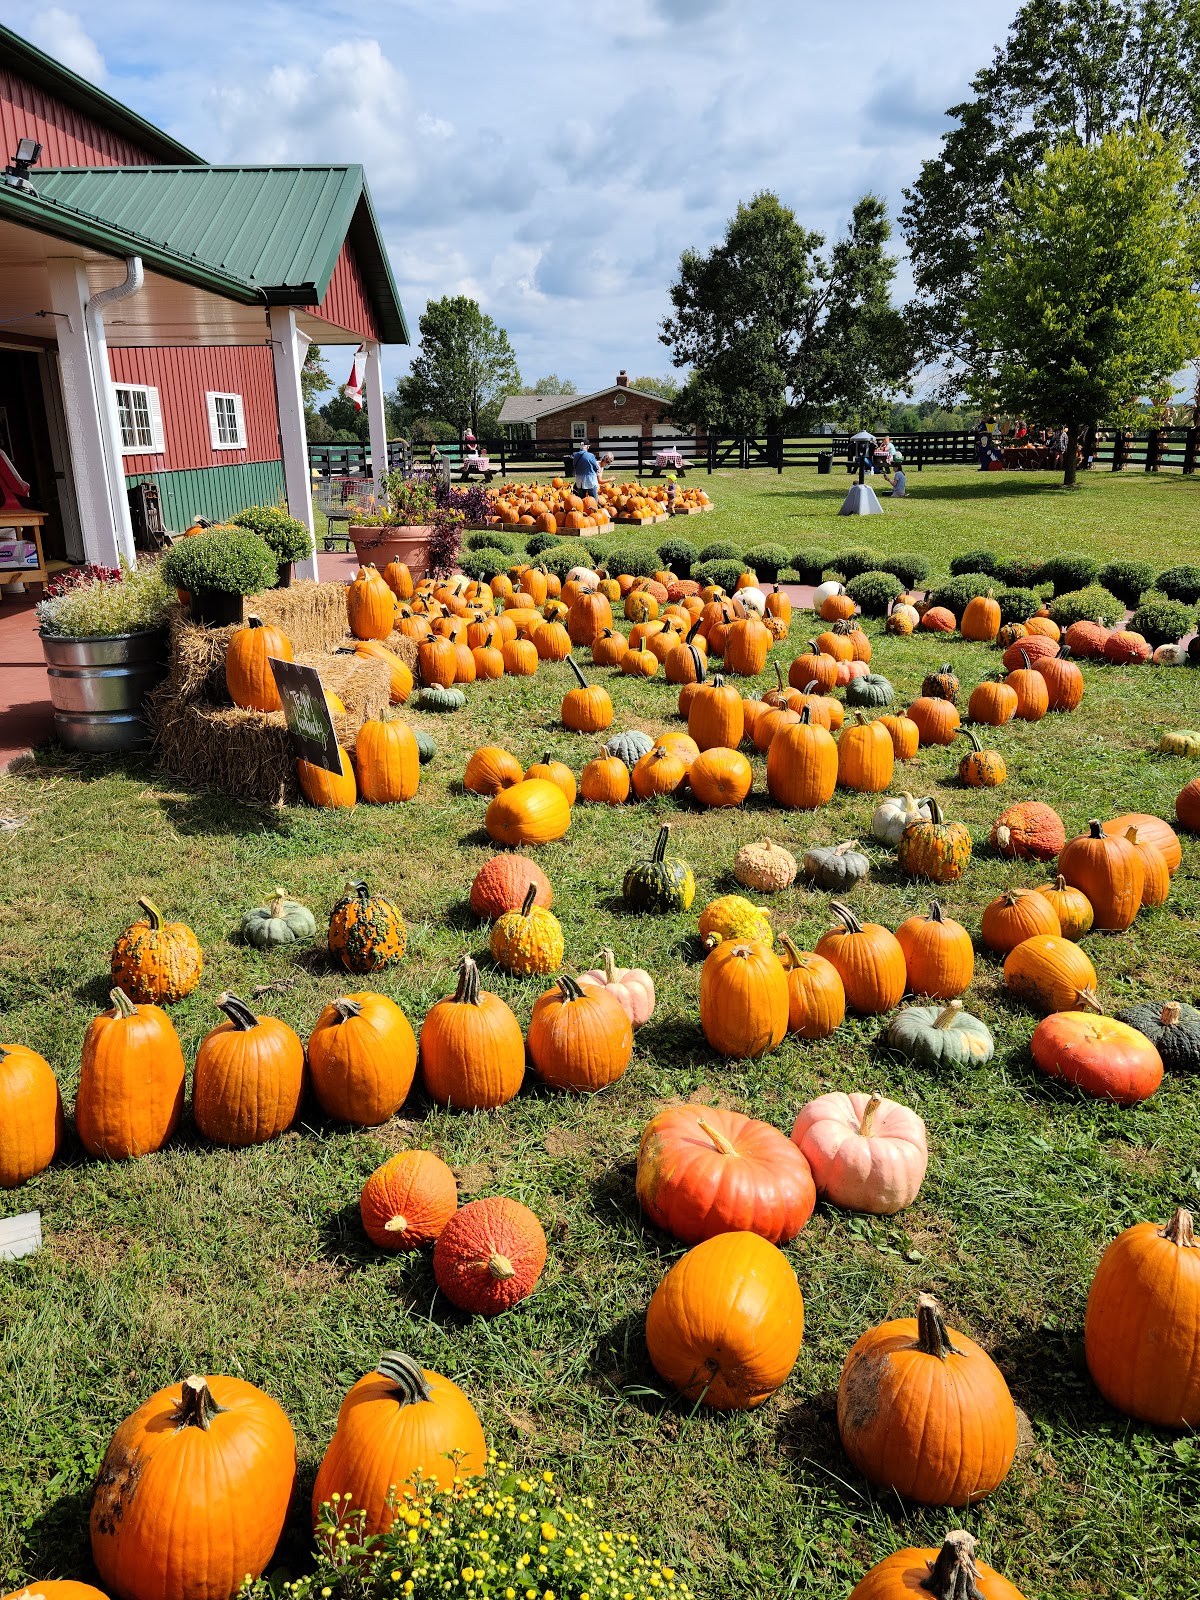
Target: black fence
[{"x": 1174, "y": 449}]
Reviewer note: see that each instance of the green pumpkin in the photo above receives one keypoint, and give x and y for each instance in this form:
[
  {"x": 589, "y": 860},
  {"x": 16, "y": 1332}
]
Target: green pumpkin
[
  {"x": 872, "y": 689},
  {"x": 284, "y": 921},
  {"x": 438, "y": 698},
  {"x": 426, "y": 746},
  {"x": 1173, "y": 1028},
  {"x": 941, "y": 1036},
  {"x": 663, "y": 883},
  {"x": 1180, "y": 742},
  {"x": 836, "y": 867},
  {"x": 630, "y": 747}
]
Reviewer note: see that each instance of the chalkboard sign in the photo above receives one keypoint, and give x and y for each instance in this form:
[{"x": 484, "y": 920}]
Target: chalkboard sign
[{"x": 310, "y": 724}]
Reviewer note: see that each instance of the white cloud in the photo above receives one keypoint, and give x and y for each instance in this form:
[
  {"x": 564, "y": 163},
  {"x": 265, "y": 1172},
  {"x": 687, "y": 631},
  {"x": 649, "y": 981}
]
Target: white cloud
[{"x": 62, "y": 34}]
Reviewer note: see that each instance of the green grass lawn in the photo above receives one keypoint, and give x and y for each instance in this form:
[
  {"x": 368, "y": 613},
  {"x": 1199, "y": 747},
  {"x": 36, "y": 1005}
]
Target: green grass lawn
[{"x": 254, "y": 1263}]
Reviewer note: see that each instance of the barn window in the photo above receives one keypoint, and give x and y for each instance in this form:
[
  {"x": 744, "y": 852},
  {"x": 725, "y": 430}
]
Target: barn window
[
  {"x": 141, "y": 419},
  {"x": 226, "y": 422},
  {"x": 579, "y": 430}
]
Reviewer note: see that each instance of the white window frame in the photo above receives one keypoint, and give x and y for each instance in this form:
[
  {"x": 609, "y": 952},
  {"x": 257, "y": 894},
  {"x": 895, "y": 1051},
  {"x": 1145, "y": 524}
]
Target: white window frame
[
  {"x": 214, "y": 426},
  {"x": 156, "y": 446},
  {"x": 579, "y": 430}
]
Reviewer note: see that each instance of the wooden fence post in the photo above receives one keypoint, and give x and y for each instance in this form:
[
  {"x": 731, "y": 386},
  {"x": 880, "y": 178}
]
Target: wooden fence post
[
  {"x": 1151, "y": 451},
  {"x": 711, "y": 452},
  {"x": 641, "y": 456},
  {"x": 1189, "y": 450}
]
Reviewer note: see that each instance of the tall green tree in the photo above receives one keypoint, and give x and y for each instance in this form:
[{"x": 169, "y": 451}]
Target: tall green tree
[
  {"x": 1068, "y": 69},
  {"x": 1087, "y": 298},
  {"x": 551, "y": 384},
  {"x": 770, "y": 325},
  {"x": 464, "y": 369},
  {"x": 665, "y": 388}
]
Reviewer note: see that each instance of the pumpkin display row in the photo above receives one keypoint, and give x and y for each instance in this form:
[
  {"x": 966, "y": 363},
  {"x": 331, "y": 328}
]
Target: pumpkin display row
[{"x": 548, "y": 507}]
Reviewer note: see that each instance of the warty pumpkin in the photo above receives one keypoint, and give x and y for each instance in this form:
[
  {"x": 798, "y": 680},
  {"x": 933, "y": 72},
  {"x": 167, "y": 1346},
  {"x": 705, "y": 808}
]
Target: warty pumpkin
[
  {"x": 579, "y": 1037},
  {"x": 951, "y": 1573},
  {"x": 866, "y": 1153},
  {"x": 924, "y": 1412},
  {"x": 32, "y": 1126},
  {"x": 765, "y": 867},
  {"x": 1141, "y": 1332},
  {"x": 365, "y": 930},
  {"x": 1030, "y": 830},
  {"x": 939, "y": 957},
  {"x": 816, "y": 996},
  {"x": 489, "y": 1255},
  {"x": 868, "y": 960},
  {"x": 934, "y": 848},
  {"x": 743, "y": 999},
  {"x": 1049, "y": 974},
  {"x": 1016, "y": 915},
  {"x": 941, "y": 684},
  {"x": 248, "y": 674},
  {"x": 399, "y": 1424},
  {"x": 387, "y": 762},
  {"x": 980, "y": 768},
  {"x": 362, "y": 1054},
  {"x": 472, "y": 1047},
  {"x": 1109, "y": 871},
  {"x": 732, "y": 916},
  {"x": 155, "y": 961},
  {"x": 702, "y": 1171},
  {"x": 131, "y": 1078},
  {"x": 802, "y": 764},
  {"x": 724, "y": 1326},
  {"x": 866, "y": 756},
  {"x": 407, "y": 1201},
  {"x": 1028, "y": 649},
  {"x": 249, "y": 1077},
  {"x": 193, "y": 1492}
]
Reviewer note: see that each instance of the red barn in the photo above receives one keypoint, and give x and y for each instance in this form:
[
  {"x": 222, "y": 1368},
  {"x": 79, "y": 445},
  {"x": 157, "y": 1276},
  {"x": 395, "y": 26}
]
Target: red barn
[{"x": 155, "y": 312}]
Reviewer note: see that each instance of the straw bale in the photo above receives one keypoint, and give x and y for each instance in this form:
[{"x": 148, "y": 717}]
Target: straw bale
[
  {"x": 400, "y": 644},
  {"x": 313, "y": 615},
  {"x": 246, "y": 754}
]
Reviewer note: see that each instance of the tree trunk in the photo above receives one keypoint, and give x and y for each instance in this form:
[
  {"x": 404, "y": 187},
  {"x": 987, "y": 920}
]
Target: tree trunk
[{"x": 1069, "y": 458}]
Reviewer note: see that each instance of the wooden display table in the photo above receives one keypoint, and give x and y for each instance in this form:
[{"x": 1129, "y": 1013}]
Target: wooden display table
[{"x": 19, "y": 520}]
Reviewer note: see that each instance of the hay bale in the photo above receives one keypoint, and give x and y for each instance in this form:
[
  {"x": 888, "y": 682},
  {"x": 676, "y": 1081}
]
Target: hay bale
[
  {"x": 313, "y": 615},
  {"x": 362, "y": 683},
  {"x": 246, "y": 754},
  {"x": 404, "y": 647}
]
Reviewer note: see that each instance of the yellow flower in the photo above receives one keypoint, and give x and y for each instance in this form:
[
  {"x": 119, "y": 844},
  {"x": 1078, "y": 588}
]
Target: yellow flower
[
  {"x": 468, "y": 1573},
  {"x": 549, "y": 1531},
  {"x": 547, "y": 1477}
]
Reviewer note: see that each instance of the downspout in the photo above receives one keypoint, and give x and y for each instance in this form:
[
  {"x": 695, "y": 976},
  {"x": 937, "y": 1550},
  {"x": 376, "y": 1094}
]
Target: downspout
[{"x": 106, "y": 399}]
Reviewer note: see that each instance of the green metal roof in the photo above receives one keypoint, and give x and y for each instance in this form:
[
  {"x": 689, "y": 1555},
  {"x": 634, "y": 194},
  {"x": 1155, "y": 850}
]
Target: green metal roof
[
  {"x": 270, "y": 234},
  {"x": 36, "y": 67}
]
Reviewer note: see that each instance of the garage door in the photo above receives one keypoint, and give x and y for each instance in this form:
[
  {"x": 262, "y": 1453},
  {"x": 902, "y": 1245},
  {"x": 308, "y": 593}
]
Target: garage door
[{"x": 622, "y": 443}]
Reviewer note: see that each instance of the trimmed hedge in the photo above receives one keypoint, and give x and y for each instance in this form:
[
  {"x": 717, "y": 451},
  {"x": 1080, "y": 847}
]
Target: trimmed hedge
[
  {"x": 493, "y": 539},
  {"x": 912, "y": 569},
  {"x": 535, "y": 544},
  {"x": 679, "y": 556},
  {"x": 724, "y": 574},
  {"x": 720, "y": 550},
  {"x": 483, "y": 565},
  {"x": 811, "y": 561},
  {"x": 767, "y": 560},
  {"x": 954, "y": 593},
  {"x": 1020, "y": 572},
  {"x": 1069, "y": 573},
  {"x": 789, "y": 575},
  {"x": 973, "y": 561},
  {"x": 562, "y": 558},
  {"x": 873, "y": 592},
  {"x": 1090, "y": 604},
  {"x": 1018, "y": 605},
  {"x": 1160, "y": 620},
  {"x": 634, "y": 560},
  {"x": 1128, "y": 580},
  {"x": 859, "y": 559},
  {"x": 1180, "y": 583}
]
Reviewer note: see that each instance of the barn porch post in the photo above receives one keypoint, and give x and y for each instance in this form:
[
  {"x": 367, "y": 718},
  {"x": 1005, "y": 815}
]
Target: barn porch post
[
  {"x": 289, "y": 347},
  {"x": 376, "y": 414}
]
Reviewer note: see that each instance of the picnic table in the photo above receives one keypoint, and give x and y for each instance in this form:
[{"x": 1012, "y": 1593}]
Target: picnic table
[
  {"x": 476, "y": 463},
  {"x": 1030, "y": 457},
  {"x": 669, "y": 459}
]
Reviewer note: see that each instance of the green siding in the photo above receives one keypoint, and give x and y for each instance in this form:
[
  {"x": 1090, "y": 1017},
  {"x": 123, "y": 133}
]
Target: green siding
[{"x": 214, "y": 492}]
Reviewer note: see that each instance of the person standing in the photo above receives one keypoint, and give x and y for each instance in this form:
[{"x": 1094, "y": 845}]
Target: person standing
[{"x": 587, "y": 471}]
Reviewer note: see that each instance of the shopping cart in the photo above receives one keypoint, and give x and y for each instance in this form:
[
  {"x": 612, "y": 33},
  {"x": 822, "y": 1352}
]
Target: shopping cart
[{"x": 336, "y": 498}]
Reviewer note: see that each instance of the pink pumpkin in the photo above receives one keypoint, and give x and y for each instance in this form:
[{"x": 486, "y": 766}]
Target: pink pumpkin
[
  {"x": 632, "y": 986},
  {"x": 866, "y": 1153}
]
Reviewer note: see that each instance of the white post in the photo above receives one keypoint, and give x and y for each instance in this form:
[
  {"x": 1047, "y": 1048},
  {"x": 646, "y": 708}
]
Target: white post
[
  {"x": 376, "y": 414},
  {"x": 289, "y": 347},
  {"x": 69, "y": 294}
]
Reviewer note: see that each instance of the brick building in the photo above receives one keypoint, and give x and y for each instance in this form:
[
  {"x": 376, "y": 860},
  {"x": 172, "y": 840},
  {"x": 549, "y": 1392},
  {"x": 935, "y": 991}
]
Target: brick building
[{"x": 609, "y": 418}]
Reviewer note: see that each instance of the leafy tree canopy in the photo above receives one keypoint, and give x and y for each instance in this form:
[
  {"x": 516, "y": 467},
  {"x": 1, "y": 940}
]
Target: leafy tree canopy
[
  {"x": 1075, "y": 69},
  {"x": 552, "y": 384},
  {"x": 771, "y": 325},
  {"x": 1087, "y": 284},
  {"x": 665, "y": 388},
  {"x": 464, "y": 369}
]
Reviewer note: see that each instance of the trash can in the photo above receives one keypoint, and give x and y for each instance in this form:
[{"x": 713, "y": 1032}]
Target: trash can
[{"x": 824, "y": 463}]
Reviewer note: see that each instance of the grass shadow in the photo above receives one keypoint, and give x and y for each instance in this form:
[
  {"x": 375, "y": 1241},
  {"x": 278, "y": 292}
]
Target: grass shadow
[{"x": 205, "y": 814}]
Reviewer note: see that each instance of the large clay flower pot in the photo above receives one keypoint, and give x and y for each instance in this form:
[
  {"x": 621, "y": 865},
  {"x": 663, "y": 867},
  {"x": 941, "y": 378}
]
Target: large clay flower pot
[{"x": 381, "y": 545}]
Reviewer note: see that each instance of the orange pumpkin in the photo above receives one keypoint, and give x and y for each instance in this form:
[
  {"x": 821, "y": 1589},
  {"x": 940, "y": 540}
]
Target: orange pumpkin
[{"x": 248, "y": 674}]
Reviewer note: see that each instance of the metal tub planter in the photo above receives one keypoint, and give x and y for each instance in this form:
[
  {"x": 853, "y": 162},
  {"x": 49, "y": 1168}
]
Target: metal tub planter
[{"x": 98, "y": 687}]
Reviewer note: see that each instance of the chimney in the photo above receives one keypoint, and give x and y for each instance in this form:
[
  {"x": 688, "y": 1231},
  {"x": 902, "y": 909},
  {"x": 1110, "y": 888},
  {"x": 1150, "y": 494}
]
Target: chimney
[{"x": 622, "y": 379}]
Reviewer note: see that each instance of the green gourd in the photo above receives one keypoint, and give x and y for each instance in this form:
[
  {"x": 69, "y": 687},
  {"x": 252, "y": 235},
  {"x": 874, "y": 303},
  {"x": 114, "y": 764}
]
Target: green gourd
[
  {"x": 662, "y": 883},
  {"x": 1173, "y": 1028},
  {"x": 426, "y": 746},
  {"x": 942, "y": 684},
  {"x": 630, "y": 747},
  {"x": 941, "y": 1036},
  {"x": 872, "y": 689},
  {"x": 284, "y": 921},
  {"x": 837, "y": 867},
  {"x": 438, "y": 698}
]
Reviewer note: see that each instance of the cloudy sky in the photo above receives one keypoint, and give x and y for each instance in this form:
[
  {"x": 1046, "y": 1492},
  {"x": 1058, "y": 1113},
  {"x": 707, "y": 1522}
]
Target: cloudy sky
[{"x": 552, "y": 169}]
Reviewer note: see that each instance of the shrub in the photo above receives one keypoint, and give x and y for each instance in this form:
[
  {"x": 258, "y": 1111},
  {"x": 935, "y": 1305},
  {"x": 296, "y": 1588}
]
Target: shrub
[
  {"x": 873, "y": 592},
  {"x": 767, "y": 560},
  {"x": 911, "y": 568},
  {"x": 483, "y": 565},
  {"x": 230, "y": 560},
  {"x": 562, "y": 558},
  {"x": 122, "y": 602},
  {"x": 721, "y": 550},
  {"x": 954, "y": 593},
  {"x": 1069, "y": 573},
  {"x": 493, "y": 539},
  {"x": 1162, "y": 621},
  {"x": 1020, "y": 572},
  {"x": 1017, "y": 605},
  {"x": 1090, "y": 604},
  {"x": 679, "y": 556},
  {"x": 535, "y": 544},
  {"x": 1129, "y": 580},
  {"x": 789, "y": 575},
  {"x": 1180, "y": 583},
  {"x": 851, "y": 562},
  {"x": 811, "y": 561},
  {"x": 973, "y": 561},
  {"x": 636, "y": 560},
  {"x": 592, "y": 552},
  {"x": 287, "y": 536},
  {"x": 724, "y": 574}
]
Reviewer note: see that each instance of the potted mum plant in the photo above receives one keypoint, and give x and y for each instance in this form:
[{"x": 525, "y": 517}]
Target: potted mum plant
[
  {"x": 104, "y": 636},
  {"x": 287, "y": 537},
  {"x": 217, "y": 568},
  {"x": 409, "y": 524}
]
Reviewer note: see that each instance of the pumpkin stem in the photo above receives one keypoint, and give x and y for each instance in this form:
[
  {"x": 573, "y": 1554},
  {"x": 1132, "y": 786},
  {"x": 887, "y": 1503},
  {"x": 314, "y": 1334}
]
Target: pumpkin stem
[
  {"x": 1096, "y": 829},
  {"x": 467, "y": 993},
  {"x": 1179, "y": 1231},
  {"x": 954, "y": 1575},
  {"x": 1060, "y": 884},
  {"x": 530, "y": 897},
  {"x": 935, "y": 812},
  {"x": 718, "y": 1138},
  {"x": 779, "y": 676},
  {"x": 1132, "y": 835},
  {"x": 806, "y": 712},
  {"x": 277, "y": 903},
  {"x": 935, "y": 911},
  {"x": 969, "y": 733},
  {"x": 406, "y": 1376},
  {"x": 347, "y": 1008},
  {"x": 575, "y": 668},
  {"x": 610, "y": 965},
  {"x": 152, "y": 912},
  {"x": 664, "y": 833},
  {"x": 1088, "y": 1000},
  {"x": 254, "y": 622},
  {"x": 790, "y": 951},
  {"x": 122, "y": 1004},
  {"x": 1171, "y": 1013},
  {"x": 945, "y": 1018},
  {"x": 868, "y": 1117},
  {"x": 196, "y": 1407},
  {"x": 844, "y": 915},
  {"x": 500, "y": 1267},
  {"x": 932, "y": 1336},
  {"x": 238, "y": 1012},
  {"x": 570, "y": 988}
]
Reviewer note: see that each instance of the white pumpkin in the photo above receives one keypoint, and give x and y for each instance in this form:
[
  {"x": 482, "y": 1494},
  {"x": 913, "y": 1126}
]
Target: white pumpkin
[
  {"x": 633, "y": 987},
  {"x": 585, "y": 578},
  {"x": 866, "y": 1153},
  {"x": 1171, "y": 655},
  {"x": 823, "y": 591},
  {"x": 911, "y": 612},
  {"x": 753, "y": 599},
  {"x": 894, "y": 814}
]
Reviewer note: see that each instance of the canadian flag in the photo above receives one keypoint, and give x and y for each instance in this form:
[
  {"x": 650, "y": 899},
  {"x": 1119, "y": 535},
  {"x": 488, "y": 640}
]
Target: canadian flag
[{"x": 354, "y": 384}]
